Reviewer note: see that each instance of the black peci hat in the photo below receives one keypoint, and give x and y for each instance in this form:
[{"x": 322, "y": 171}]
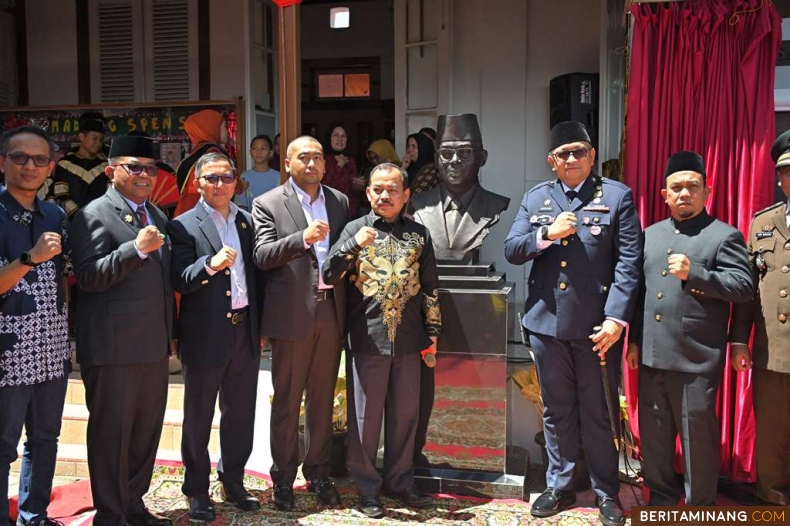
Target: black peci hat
[
  {"x": 685, "y": 161},
  {"x": 92, "y": 121},
  {"x": 568, "y": 132},
  {"x": 132, "y": 146}
]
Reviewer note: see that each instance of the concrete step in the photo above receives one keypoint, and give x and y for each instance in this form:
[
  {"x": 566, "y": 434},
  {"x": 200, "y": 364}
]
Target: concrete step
[
  {"x": 73, "y": 460},
  {"x": 75, "y": 426},
  {"x": 75, "y": 392}
]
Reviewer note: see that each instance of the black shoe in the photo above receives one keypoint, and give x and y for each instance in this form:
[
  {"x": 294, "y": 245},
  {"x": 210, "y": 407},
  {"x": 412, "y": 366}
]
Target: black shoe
[
  {"x": 325, "y": 489},
  {"x": 146, "y": 518},
  {"x": 551, "y": 502},
  {"x": 201, "y": 508},
  {"x": 412, "y": 498},
  {"x": 371, "y": 506},
  {"x": 283, "y": 497},
  {"x": 609, "y": 511},
  {"x": 240, "y": 497}
]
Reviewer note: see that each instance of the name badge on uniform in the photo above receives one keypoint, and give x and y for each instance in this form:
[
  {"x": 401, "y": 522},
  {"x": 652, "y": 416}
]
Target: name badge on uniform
[
  {"x": 596, "y": 208},
  {"x": 763, "y": 235}
]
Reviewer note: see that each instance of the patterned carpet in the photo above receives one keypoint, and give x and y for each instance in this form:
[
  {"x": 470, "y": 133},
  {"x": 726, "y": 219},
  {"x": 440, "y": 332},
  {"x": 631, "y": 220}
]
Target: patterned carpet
[{"x": 165, "y": 497}]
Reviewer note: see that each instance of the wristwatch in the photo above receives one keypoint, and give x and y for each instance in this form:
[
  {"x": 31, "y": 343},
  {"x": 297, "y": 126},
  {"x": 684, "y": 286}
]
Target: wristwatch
[
  {"x": 544, "y": 235},
  {"x": 26, "y": 260}
]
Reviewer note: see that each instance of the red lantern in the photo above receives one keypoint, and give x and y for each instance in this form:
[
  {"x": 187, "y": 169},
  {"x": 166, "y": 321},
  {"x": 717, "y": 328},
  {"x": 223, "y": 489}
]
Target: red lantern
[{"x": 286, "y": 3}]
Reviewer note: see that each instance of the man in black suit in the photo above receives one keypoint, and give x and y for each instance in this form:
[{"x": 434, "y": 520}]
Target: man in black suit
[
  {"x": 219, "y": 324},
  {"x": 295, "y": 224},
  {"x": 694, "y": 267},
  {"x": 124, "y": 330}
]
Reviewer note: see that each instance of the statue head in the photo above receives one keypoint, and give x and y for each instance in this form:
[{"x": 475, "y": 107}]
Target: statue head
[{"x": 459, "y": 152}]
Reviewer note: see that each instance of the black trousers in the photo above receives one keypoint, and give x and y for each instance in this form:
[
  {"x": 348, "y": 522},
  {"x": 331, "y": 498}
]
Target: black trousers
[
  {"x": 427, "y": 393},
  {"x": 127, "y": 406},
  {"x": 236, "y": 382},
  {"x": 672, "y": 402},
  {"x": 305, "y": 367},
  {"x": 376, "y": 382}
]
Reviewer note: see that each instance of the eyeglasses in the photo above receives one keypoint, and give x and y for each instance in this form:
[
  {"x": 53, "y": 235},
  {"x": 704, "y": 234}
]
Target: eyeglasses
[
  {"x": 215, "y": 179},
  {"x": 463, "y": 154},
  {"x": 578, "y": 154},
  {"x": 22, "y": 158},
  {"x": 138, "y": 169}
]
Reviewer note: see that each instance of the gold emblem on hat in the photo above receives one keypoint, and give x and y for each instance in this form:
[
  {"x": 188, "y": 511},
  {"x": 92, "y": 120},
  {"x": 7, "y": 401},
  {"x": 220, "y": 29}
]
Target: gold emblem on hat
[{"x": 128, "y": 218}]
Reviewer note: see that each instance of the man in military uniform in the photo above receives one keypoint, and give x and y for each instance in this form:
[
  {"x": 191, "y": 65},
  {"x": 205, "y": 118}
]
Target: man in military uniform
[
  {"x": 582, "y": 234},
  {"x": 79, "y": 177},
  {"x": 769, "y": 253},
  {"x": 694, "y": 267}
]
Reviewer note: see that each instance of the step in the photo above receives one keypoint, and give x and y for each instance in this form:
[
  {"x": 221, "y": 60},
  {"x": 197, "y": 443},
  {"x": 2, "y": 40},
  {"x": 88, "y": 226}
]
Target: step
[
  {"x": 73, "y": 460},
  {"x": 75, "y": 426},
  {"x": 75, "y": 392}
]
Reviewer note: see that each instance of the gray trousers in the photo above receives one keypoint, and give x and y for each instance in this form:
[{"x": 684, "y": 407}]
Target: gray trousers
[
  {"x": 305, "y": 367},
  {"x": 672, "y": 402},
  {"x": 376, "y": 382}
]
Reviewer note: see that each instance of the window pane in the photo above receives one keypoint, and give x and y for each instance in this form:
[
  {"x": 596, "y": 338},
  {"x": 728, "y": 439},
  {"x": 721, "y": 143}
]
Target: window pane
[
  {"x": 421, "y": 77},
  {"x": 357, "y": 85},
  {"x": 330, "y": 86}
]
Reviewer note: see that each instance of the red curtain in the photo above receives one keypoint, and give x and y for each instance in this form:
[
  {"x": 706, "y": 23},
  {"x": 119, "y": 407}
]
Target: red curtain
[{"x": 702, "y": 78}]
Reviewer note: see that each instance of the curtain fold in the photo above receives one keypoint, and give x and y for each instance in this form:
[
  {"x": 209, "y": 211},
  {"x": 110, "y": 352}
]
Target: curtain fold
[{"x": 702, "y": 78}]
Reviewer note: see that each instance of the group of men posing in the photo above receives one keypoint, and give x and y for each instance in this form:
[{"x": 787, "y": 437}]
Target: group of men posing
[
  {"x": 128, "y": 262},
  {"x": 371, "y": 284},
  {"x": 595, "y": 272}
]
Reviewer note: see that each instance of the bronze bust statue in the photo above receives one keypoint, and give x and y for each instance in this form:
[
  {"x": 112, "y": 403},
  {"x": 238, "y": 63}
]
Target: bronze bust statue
[{"x": 458, "y": 212}]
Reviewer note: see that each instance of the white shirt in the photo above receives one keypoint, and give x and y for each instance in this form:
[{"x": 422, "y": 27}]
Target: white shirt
[
  {"x": 313, "y": 211},
  {"x": 230, "y": 237}
]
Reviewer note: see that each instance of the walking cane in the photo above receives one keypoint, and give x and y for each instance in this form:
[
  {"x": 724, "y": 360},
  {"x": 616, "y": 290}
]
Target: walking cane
[{"x": 608, "y": 394}]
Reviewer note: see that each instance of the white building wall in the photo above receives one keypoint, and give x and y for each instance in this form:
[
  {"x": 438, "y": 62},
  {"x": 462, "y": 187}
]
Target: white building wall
[
  {"x": 227, "y": 50},
  {"x": 52, "y": 52},
  {"x": 501, "y": 72}
]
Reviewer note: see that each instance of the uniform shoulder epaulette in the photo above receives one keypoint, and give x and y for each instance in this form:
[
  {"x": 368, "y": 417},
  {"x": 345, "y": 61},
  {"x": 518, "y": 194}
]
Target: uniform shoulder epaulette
[
  {"x": 775, "y": 205},
  {"x": 542, "y": 184}
]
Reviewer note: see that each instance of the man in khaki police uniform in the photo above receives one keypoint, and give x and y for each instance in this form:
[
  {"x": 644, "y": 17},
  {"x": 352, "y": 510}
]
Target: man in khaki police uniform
[{"x": 769, "y": 251}]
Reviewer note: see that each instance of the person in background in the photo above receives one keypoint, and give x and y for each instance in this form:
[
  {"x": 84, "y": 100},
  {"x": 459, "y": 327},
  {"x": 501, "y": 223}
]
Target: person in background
[
  {"x": 429, "y": 132},
  {"x": 275, "y": 162},
  {"x": 34, "y": 336},
  {"x": 79, "y": 177},
  {"x": 419, "y": 162},
  {"x": 261, "y": 177},
  {"x": 341, "y": 169},
  {"x": 208, "y": 131},
  {"x": 379, "y": 151}
]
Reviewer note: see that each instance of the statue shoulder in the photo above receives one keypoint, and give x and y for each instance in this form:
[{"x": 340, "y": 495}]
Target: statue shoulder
[{"x": 431, "y": 197}]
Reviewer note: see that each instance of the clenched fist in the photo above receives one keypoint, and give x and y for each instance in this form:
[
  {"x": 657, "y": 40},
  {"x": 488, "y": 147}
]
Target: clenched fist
[
  {"x": 316, "y": 231},
  {"x": 679, "y": 266},
  {"x": 366, "y": 236},
  {"x": 47, "y": 247},
  {"x": 563, "y": 226},
  {"x": 223, "y": 259},
  {"x": 149, "y": 239}
]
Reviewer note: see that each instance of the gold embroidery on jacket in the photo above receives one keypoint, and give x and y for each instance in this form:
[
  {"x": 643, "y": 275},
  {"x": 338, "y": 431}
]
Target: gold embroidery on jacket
[
  {"x": 389, "y": 270},
  {"x": 431, "y": 310}
]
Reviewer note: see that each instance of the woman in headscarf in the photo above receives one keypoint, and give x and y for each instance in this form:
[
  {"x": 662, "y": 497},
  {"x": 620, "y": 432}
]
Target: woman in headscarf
[
  {"x": 419, "y": 163},
  {"x": 379, "y": 151},
  {"x": 208, "y": 131},
  {"x": 341, "y": 169}
]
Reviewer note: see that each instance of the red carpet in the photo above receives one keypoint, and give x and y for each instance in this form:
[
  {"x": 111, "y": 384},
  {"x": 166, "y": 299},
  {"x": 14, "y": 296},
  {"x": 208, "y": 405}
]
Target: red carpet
[{"x": 66, "y": 502}]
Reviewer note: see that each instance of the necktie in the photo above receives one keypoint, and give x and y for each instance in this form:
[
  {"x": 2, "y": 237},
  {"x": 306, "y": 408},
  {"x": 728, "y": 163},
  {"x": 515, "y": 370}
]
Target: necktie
[
  {"x": 142, "y": 216},
  {"x": 571, "y": 195},
  {"x": 453, "y": 219}
]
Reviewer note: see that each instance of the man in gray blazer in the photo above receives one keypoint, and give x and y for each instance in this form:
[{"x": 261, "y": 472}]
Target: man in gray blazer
[
  {"x": 694, "y": 267},
  {"x": 304, "y": 318},
  {"x": 219, "y": 322},
  {"x": 124, "y": 331}
]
